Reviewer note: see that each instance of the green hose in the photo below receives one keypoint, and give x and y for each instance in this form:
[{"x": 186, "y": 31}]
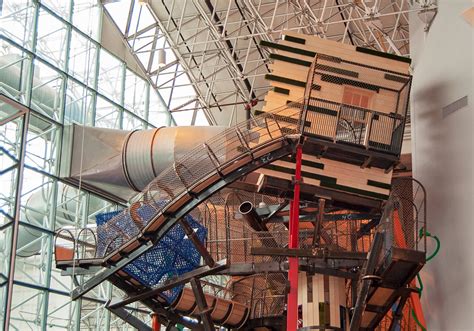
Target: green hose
[
  {"x": 417, "y": 321},
  {"x": 420, "y": 289},
  {"x": 422, "y": 233},
  {"x": 438, "y": 246}
]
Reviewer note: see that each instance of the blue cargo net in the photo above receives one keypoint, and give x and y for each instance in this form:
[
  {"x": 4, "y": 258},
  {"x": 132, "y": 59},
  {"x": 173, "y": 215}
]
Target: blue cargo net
[{"x": 172, "y": 256}]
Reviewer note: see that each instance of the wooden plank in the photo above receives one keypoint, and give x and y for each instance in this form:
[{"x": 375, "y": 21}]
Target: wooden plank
[
  {"x": 354, "y": 180},
  {"x": 304, "y": 297},
  {"x": 318, "y": 295},
  {"x": 342, "y": 300},
  {"x": 334, "y": 301},
  {"x": 349, "y": 52}
]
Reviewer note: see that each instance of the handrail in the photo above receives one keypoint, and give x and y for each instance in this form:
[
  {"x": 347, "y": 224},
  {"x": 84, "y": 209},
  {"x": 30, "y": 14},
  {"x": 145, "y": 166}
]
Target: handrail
[
  {"x": 370, "y": 129},
  {"x": 220, "y": 155}
]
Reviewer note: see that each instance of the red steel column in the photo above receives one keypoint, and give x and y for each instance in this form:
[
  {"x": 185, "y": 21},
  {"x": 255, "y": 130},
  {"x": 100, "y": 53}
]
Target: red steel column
[
  {"x": 155, "y": 323},
  {"x": 292, "y": 302}
]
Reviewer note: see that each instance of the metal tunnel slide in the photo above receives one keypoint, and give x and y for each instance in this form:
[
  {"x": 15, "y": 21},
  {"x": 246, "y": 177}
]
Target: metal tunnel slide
[{"x": 175, "y": 192}]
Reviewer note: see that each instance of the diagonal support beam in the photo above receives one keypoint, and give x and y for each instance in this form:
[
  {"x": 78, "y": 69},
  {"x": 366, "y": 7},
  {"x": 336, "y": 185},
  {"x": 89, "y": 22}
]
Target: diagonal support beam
[
  {"x": 127, "y": 317},
  {"x": 199, "y": 246},
  {"x": 204, "y": 310},
  {"x": 184, "y": 278},
  {"x": 399, "y": 312},
  {"x": 106, "y": 273},
  {"x": 369, "y": 269}
]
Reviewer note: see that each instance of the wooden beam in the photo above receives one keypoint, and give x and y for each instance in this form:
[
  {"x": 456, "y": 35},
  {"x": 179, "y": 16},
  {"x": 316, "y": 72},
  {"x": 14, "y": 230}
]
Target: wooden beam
[
  {"x": 318, "y": 224},
  {"x": 197, "y": 243},
  {"x": 311, "y": 253}
]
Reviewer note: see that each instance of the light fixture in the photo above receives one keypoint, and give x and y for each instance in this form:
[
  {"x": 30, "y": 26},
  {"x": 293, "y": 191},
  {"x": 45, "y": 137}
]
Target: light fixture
[
  {"x": 142, "y": 2},
  {"x": 161, "y": 58}
]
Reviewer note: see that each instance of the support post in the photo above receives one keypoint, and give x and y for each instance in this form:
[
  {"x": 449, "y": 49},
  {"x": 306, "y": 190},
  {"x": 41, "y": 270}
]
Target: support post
[
  {"x": 202, "y": 304},
  {"x": 292, "y": 302},
  {"x": 366, "y": 280},
  {"x": 155, "y": 322},
  {"x": 318, "y": 223},
  {"x": 397, "y": 316},
  {"x": 199, "y": 246},
  {"x": 16, "y": 222}
]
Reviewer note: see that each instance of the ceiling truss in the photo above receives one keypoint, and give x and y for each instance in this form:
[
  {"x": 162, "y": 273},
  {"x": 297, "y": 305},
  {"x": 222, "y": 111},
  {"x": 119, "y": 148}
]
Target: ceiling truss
[{"x": 218, "y": 66}]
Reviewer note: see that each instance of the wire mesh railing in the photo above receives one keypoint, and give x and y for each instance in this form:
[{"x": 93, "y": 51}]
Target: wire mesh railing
[
  {"x": 404, "y": 216},
  {"x": 349, "y": 102},
  {"x": 339, "y": 122},
  {"x": 220, "y": 155},
  {"x": 349, "y": 124},
  {"x": 264, "y": 293}
]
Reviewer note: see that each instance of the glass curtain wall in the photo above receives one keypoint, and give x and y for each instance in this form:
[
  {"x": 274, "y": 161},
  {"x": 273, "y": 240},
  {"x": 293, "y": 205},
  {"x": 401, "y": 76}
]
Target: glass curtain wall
[{"x": 54, "y": 72}]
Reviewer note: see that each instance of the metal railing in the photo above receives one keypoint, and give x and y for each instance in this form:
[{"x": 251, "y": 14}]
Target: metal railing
[
  {"x": 404, "y": 216},
  {"x": 357, "y": 126},
  {"x": 343, "y": 123},
  {"x": 226, "y": 152}
]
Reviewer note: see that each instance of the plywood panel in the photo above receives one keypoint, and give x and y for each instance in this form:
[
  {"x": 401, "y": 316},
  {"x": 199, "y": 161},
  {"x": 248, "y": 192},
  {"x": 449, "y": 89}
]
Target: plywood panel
[
  {"x": 334, "y": 301},
  {"x": 289, "y": 70},
  {"x": 318, "y": 295},
  {"x": 348, "y": 178},
  {"x": 347, "y": 52}
]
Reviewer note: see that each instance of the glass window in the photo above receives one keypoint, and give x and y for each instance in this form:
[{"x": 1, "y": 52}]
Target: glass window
[
  {"x": 15, "y": 67},
  {"x": 47, "y": 91},
  {"x": 183, "y": 91},
  {"x": 110, "y": 76},
  {"x": 136, "y": 92},
  {"x": 158, "y": 114},
  {"x": 17, "y": 17},
  {"x": 59, "y": 7},
  {"x": 86, "y": 17},
  {"x": 42, "y": 145},
  {"x": 183, "y": 117},
  {"x": 107, "y": 115},
  {"x": 119, "y": 12},
  {"x": 201, "y": 119},
  {"x": 82, "y": 58},
  {"x": 27, "y": 307},
  {"x": 61, "y": 311},
  {"x": 131, "y": 122},
  {"x": 79, "y": 104},
  {"x": 32, "y": 247},
  {"x": 52, "y": 38}
]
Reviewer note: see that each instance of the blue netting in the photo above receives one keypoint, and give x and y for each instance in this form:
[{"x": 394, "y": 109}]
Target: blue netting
[{"x": 172, "y": 256}]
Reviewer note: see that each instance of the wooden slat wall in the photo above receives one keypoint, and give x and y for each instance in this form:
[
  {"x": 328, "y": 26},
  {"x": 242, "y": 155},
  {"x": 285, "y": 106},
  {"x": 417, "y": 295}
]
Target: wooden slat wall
[{"x": 345, "y": 174}]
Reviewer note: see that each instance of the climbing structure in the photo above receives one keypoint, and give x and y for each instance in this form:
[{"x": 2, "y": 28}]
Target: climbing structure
[{"x": 227, "y": 208}]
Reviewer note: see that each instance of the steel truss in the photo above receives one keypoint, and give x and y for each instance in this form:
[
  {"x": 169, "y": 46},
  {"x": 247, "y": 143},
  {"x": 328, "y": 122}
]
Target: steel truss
[{"x": 216, "y": 43}]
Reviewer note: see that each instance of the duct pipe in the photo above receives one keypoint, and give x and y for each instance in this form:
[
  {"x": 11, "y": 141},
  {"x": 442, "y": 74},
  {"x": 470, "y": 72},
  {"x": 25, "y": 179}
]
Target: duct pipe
[
  {"x": 120, "y": 163},
  {"x": 251, "y": 216},
  {"x": 113, "y": 160}
]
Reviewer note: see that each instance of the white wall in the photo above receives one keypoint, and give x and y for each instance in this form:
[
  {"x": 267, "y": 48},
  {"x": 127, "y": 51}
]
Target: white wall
[{"x": 443, "y": 153}]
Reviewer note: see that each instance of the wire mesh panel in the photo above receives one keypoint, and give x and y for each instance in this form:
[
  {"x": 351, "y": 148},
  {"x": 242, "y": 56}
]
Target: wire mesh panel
[
  {"x": 352, "y": 125},
  {"x": 355, "y": 103},
  {"x": 386, "y": 133},
  {"x": 172, "y": 256},
  {"x": 218, "y": 153},
  {"x": 264, "y": 293},
  {"x": 404, "y": 215}
]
